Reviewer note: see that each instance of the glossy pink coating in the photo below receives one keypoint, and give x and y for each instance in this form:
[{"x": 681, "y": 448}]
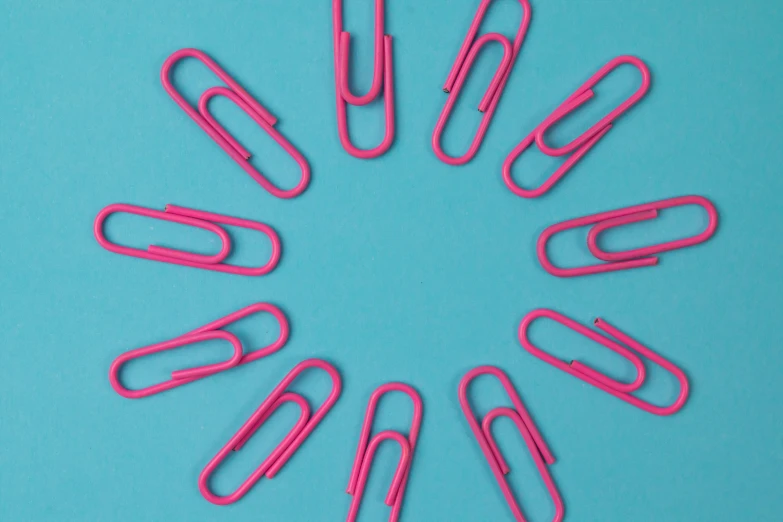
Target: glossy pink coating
[
  {"x": 195, "y": 218},
  {"x": 208, "y": 331},
  {"x": 582, "y": 144},
  {"x": 535, "y": 442},
  {"x": 179, "y": 375},
  {"x": 459, "y": 71},
  {"x": 606, "y": 384},
  {"x": 363, "y": 460},
  {"x": 277, "y": 459},
  {"x": 632, "y": 258},
  {"x": 383, "y": 72},
  {"x": 561, "y": 171},
  {"x": 395, "y": 491},
  {"x": 228, "y": 143},
  {"x": 584, "y": 93}
]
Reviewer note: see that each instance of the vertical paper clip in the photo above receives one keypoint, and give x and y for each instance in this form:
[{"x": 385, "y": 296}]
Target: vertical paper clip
[
  {"x": 632, "y": 258},
  {"x": 533, "y": 439},
  {"x": 382, "y": 75},
  {"x": 277, "y": 459},
  {"x": 227, "y": 142},
  {"x": 582, "y": 144},
  {"x": 365, "y": 452},
  {"x": 599, "y": 380},
  {"x": 206, "y": 332},
  {"x": 195, "y": 218},
  {"x": 459, "y": 72}
]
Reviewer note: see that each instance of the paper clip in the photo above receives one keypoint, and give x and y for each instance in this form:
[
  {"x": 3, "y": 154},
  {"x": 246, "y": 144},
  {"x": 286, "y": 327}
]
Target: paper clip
[
  {"x": 365, "y": 452},
  {"x": 533, "y": 439},
  {"x": 382, "y": 75},
  {"x": 614, "y": 218},
  {"x": 195, "y": 218},
  {"x": 459, "y": 72},
  {"x": 206, "y": 332},
  {"x": 217, "y": 132},
  {"x": 582, "y": 144},
  {"x": 277, "y": 459},
  {"x": 599, "y": 380}
]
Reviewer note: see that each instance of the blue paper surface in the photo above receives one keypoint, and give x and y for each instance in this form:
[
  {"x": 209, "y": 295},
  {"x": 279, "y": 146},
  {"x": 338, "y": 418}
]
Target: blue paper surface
[{"x": 395, "y": 269}]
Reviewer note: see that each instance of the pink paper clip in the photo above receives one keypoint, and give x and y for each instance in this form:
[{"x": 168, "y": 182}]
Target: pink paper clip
[
  {"x": 459, "y": 72},
  {"x": 599, "y": 380},
  {"x": 195, "y": 218},
  {"x": 382, "y": 76},
  {"x": 632, "y": 258},
  {"x": 206, "y": 332},
  {"x": 365, "y": 452},
  {"x": 244, "y": 101},
  {"x": 277, "y": 459},
  {"x": 582, "y": 144},
  {"x": 533, "y": 439}
]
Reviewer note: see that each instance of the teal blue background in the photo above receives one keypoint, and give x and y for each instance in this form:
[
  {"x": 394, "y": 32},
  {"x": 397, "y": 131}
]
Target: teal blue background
[{"x": 400, "y": 268}]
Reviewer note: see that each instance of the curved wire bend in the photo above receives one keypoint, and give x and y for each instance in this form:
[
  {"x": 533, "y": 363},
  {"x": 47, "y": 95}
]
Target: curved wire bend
[
  {"x": 583, "y": 143},
  {"x": 396, "y": 490},
  {"x": 619, "y": 390},
  {"x": 280, "y": 455},
  {"x": 382, "y": 76},
  {"x": 206, "y": 332},
  {"x": 227, "y": 142},
  {"x": 633, "y": 258},
  {"x": 195, "y": 218},
  {"x": 540, "y": 452},
  {"x": 459, "y": 71},
  {"x": 364, "y": 453}
]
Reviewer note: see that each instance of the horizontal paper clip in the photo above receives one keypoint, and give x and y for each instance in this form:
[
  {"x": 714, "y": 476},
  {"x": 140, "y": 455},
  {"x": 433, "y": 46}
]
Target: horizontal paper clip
[
  {"x": 632, "y": 258},
  {"x": 582, "y": 144},
  {"x": 459, "y": 72},
  {"x": 597, "y": 379},
  {"x": 277, "y": 459},
  {"x": 195, "y": 218},
  {"x": 383, "y": 75},
  {"x": 204, "y": 333},
  {"x": 533, "y": 439},
  {"x": 365, "y": 452},
  {"x": 244, "y": 101}
]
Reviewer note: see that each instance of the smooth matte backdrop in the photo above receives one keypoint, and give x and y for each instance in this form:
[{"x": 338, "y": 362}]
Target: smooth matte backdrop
[{"x": 395, "y": 269}]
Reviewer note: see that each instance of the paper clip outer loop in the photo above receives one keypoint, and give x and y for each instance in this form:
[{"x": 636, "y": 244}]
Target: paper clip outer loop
[
  {"x": 490, "y": 450},
  {"x": 196, "y": 218},
  {"x": 345, "y": 52},
  {"x": 395, "y": 496},
  {"x": 584, "y": 93},
  {"x": 342, "y": 93},
  {"x": 227, "y": 142},
  {"x": 396, "y": 491},
  {"x": 467, "y": 53},
  {"x": 208, "y": 331},
  {"x": 605, "y": 384},
  {"x": 272, "y": 464},
  {"x": 177, "y": 376},
  {"x": 624, "y": 260}
]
